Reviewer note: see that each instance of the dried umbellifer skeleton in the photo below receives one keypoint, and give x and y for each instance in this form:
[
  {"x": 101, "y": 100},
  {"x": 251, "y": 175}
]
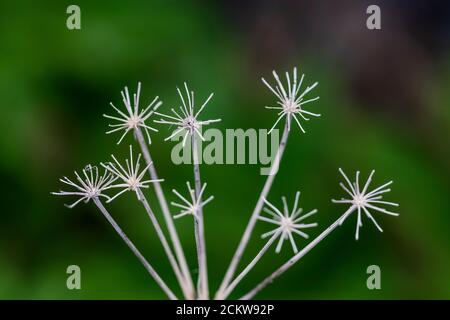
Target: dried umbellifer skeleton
[{"x": 289, "y": 222}]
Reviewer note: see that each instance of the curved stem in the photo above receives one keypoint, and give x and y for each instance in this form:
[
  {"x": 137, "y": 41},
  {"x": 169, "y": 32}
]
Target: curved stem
[
  {"x": 296, "y": 257},
  {"x": 199, "y": 228},
  {"x": 166, "y": 213},
  {"x": 254, "y": 217},
  {"x": 165, "y": 244},
  {"x": 238, "y": 279},
  {"x": 133, "y": 248}
]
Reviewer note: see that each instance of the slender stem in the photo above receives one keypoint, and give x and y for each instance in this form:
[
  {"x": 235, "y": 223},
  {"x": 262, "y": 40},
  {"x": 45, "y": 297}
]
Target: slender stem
[
  {"x": 297, "y": 257},
  {"x": 203, "y": 291},
  {"x": 238, "y": 279},
  {"x": 165, "y": 244},
  {"x": 133, "y": 248},
  {"x": 200, "y": 249},
  {"x": 167, "y": 216},
  {"x": 254, "y": 217}
]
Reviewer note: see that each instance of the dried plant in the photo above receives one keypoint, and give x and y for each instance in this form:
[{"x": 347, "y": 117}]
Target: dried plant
[
  {"x": 188, "y": 121},
  {"x": 289, "y": 223},
  {"x": 135, "y": 118}
]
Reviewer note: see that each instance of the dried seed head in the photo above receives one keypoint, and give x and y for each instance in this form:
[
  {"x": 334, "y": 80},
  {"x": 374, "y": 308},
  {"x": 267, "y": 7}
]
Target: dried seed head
[
  {"x": 185, "y": 120},
  {"x": 291, "y": 100},
  {"x": 190, "y": 206},
  {"x": 363, "y": 200},
  {"x": 90, "y": 185},
  {"x": 287, "y": 222},
  {"x": 131, "y": 178},
  {"x": 133, "y": 118}
]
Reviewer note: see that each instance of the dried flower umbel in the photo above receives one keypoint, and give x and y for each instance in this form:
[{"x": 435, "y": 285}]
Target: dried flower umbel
[
  {"x": 291, "y": 100},
  {"x": 131, "y": 179},
  {"x": 362, "y": 200},
  {"x": 90, "y": 187},
  {"x": 133, "y": 118},
  {"x": 289, "y": 223},
  {"x": 190, "y": 207},
  {"x": 186, "y": 119}
]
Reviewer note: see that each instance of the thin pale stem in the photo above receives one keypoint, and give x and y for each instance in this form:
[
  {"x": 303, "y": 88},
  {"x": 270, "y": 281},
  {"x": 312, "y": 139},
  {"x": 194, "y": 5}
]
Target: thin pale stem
[
  {"x": 203, "y": 292},
  {"x": 254, "y": 217},
  {"x": 133, "y": 248},
  {"x": 200, "y": 249},
  {"x": 167, "y": 216},
  {"x": 296, "y": 257},
  {"x": 250, "y": 266},
  {"x": 165, "y": 244}
]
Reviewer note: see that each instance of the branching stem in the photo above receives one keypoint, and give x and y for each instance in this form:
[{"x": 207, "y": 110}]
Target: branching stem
[
  {"x": 254, "y": 217},
  {"x": 165, "y": 244},
  {"x": 250, "y": 266},
  {"x": 203, "y": 292},
  {"x": 167, "y": 216},
  {"x": 296, "y": 257},
  {"x": 133, "y": 248}
]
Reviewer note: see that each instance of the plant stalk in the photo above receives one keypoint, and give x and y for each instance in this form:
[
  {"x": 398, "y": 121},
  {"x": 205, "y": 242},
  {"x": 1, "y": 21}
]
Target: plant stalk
[
  {"x": 166, "y": 213},
  {"x": 133, "y": 248},
  {"x": 203, "y": 291},
  {"x": 250, "y": 266},
  {"x": 165, "y": 244},
  {"x": 254, "y": 217}
]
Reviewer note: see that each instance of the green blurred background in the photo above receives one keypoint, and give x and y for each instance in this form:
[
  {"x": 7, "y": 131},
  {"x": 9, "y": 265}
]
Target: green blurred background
[{"x": 384, "y": 104}]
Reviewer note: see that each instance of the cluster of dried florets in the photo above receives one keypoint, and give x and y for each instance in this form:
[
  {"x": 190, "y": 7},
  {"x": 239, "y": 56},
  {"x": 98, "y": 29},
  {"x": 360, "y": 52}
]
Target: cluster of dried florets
[{"x": 129, "y": 175}]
